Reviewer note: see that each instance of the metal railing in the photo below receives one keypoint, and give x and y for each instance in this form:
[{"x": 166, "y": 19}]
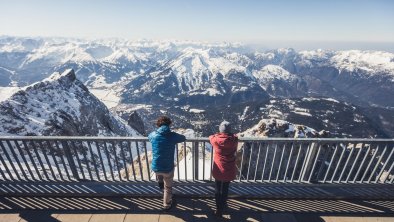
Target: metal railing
[{"x": 266, "y": 160}]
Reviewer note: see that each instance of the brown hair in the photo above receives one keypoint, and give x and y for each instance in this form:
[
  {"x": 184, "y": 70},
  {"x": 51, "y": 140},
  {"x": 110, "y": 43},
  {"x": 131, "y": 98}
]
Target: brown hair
[{"x": 163, "y": 120}]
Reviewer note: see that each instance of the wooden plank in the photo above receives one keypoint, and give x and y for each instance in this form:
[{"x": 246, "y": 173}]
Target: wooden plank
[
  {"x": 9, "y": 217},
  {"x": 107, "y": 218},
  {"x": 142, "y": 217}
]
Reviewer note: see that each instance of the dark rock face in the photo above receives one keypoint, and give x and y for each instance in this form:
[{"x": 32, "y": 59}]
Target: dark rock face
[
  {"x": 136, "y": 123},
  {"x": 60, "y": 105}
]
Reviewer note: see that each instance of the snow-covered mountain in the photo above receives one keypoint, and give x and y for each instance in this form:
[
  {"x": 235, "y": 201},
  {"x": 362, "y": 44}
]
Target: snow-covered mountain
[
  {"x": 156, "y": 77},
  {"x": 196, "y": 76},
  {"x": 279, "y": 82},
  {"x": 59, "y": 105},
  {"x": 200, "y": 69}
]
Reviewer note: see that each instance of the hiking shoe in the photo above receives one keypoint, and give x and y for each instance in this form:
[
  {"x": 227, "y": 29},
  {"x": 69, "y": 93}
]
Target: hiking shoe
[
  {"x": 161, "y": 185},
  {"x": 218, "y": 213},
  {"x": 170, "y": 206}
]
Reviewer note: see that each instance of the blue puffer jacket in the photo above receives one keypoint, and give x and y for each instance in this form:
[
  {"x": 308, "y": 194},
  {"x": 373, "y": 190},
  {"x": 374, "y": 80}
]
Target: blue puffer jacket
[{"x": 163, "y": 148}]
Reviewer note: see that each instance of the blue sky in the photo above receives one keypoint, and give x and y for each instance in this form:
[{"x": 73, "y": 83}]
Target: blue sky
[{"x": 250, "y": 21}]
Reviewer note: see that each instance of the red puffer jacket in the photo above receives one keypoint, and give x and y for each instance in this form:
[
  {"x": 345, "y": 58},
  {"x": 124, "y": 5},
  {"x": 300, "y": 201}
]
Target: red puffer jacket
[{"x": 224, "y": 154}]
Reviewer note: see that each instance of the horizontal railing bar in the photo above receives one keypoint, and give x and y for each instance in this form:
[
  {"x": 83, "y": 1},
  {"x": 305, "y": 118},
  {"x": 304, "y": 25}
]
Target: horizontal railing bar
[
  {"x": 201, "y": 139},
  {"x": 74, "y": 138}
]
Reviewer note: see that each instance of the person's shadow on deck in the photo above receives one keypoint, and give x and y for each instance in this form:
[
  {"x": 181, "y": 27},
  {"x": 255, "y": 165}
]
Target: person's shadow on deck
[{"x": 38, "y": 216}]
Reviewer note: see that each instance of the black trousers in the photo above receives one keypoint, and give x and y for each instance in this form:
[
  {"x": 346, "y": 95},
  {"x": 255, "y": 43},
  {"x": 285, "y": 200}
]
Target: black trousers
[{"x": 221, "y": 194}]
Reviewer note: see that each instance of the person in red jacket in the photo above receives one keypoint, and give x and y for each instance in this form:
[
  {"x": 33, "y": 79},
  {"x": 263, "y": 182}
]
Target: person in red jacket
[{"x": 224, "y": 170}]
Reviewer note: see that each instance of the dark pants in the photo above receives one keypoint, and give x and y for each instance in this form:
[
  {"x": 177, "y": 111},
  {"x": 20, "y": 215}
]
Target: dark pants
[{"x": 221, "y": 194}]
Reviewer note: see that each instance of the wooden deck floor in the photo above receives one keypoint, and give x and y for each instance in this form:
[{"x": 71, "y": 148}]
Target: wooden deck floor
[
  {"x": 112, "y": 202},
  {"x": 141, "y": 209}
]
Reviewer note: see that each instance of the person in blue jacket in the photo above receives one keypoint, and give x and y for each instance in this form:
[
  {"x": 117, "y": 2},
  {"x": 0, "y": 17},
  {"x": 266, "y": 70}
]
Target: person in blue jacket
[{"x": 163, "y": 149}]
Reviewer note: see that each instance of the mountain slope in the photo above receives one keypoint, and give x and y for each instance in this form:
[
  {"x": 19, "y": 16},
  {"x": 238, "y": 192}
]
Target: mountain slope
[{"x": 59, "y": 105}]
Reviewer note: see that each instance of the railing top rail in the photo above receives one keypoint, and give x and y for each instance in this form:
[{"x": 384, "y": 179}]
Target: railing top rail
[{"x": 200, "y": 139}]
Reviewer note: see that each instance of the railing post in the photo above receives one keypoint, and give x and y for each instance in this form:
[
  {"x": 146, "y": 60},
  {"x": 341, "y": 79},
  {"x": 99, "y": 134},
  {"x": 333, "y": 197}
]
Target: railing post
[
  {"x": 70, "y": 160},
  {"x": 196, "y": 160}
]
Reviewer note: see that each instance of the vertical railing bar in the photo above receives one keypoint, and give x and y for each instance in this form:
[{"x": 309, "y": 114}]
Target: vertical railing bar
[
  {"x": 44, "y": 151},
  {"x": 94, "y": 160},
  {"x": 10, "y": 161},
  {"x": 377, "y": 164},
  {"x": 257, "y": 162},
  {"x": 384, "y": 165},
  {"x": 339, "y": 162},
  {"x": 177, "y": 159},
  {"x": 24, "y": 159},
  {"x": 87, "y": 162},
  {"x": 288, "y": 162},
  {"x": 355, "y": 162},
  {"x": 124, "y": 160},
  {"x": 5, "y": 164},
  {"x": 101, "y": 160},
  {"x": 304, "y": 163},
  {"x": 273, "y": 161},
  {"x": 132, "y": 159},
  {"x": 108, "y": 159},
  {"x": 296, "y": 163},
  {"x": 139, "y": 160},
  {"x": 16, "y": 159},
  {"x": 362, "y": 163},
  {"x": 39, "y": 159},
  {"x": 369, "y": 164},
  {"x": 388, "y": 172},
  {"x": 250, "y": 160},
  {"x": 185, "y": 158},
  {"x": 210, "y": 177},
  {"x": 265, "y": 160},
  {"x": 193, "y": 161},
  {"x": 62, "y": 160},
  {"x": 280, "y": 162},
  {"x": 346, "y": 163},
  {"x": 314, "y": 163},
  {"x": 331, "y": 161},
  {"x": 242, "y": 162},
  {"x": 116, "y": 160},
  {"x": 32, "y": 160},
  {"x": 1, "y": 170},
  {"x": 74, "y": 147},
  {"x": 147, "y": 161},
  {"x": 203, "y": 160},
  {"x": 54, "y": 159}
]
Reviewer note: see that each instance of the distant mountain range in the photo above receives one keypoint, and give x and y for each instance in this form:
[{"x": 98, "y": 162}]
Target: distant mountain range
[{"x": 346, "y": 92}]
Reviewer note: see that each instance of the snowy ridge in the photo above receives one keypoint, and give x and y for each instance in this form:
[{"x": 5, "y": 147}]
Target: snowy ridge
[
  {"x": 271, "y": 72},
  {"x": 195, "y": 66},
  {"x": 281, "y": 128},
  {"x": 59, "y": 105},
  {"x": 371, "y": 62}
]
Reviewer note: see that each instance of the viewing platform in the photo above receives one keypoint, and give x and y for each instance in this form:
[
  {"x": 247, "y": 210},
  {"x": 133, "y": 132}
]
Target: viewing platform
[{"x": 279, "y": 179}]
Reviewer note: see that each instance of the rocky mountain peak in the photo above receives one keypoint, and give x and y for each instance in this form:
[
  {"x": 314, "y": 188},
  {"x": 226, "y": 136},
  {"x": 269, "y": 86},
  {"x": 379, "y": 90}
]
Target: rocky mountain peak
[{"x": 59, "y": 105}]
